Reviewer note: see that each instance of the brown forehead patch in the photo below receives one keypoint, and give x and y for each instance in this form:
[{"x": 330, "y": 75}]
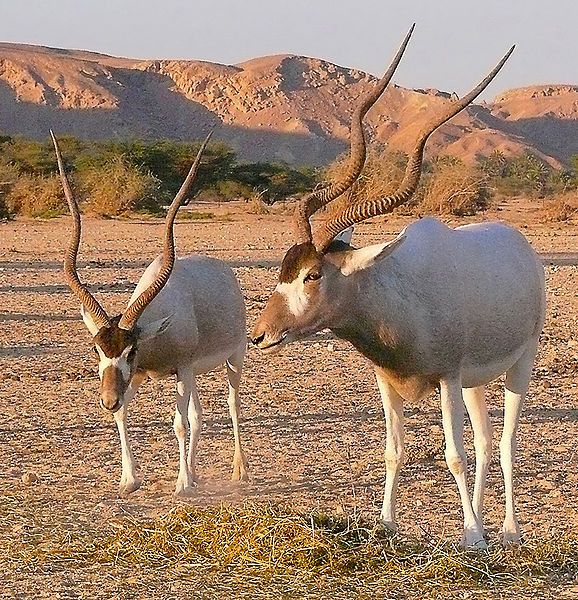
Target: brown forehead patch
[
  {"x": 113, "y": 340},
  {"x": 297, "y": 257}
]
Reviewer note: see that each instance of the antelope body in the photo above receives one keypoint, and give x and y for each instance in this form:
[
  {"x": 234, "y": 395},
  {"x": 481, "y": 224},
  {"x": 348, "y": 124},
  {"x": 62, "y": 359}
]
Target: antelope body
[
  {"x": 185, "y": 317},
  {"x": 436, "y": 307},
  {"x": 206, "y": 317},
  {"x": 440, "y": 302}
]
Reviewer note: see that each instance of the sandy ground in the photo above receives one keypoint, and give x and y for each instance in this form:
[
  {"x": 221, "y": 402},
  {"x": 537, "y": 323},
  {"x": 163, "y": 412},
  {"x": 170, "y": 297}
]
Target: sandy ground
[{"x": 312, "y": 423}]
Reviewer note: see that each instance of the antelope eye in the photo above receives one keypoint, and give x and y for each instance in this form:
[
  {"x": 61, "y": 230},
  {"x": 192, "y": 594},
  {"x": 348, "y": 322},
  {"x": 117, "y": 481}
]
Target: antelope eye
[
  {"x": 95, "y": 350},
  {"x": 312, "y": 276}
]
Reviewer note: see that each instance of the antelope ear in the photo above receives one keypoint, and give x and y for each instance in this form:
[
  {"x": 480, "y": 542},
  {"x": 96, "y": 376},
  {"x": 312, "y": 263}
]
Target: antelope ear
[
  {"x": 345, "y": 236},
  {"x": 90, "y": 325},
  {"x": 153, "y": 329},
  {"x": 363, "y": 258}
]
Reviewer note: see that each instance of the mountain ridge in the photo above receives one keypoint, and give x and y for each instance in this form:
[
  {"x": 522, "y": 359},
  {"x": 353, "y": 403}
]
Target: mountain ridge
[{"x": 282, "y": 107}]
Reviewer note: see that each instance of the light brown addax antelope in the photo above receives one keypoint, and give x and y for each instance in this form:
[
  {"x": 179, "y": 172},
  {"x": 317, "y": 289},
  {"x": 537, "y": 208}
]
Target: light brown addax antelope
[
  {"x": 185, "y": 317},
  {"x": 436, "y": 307}
]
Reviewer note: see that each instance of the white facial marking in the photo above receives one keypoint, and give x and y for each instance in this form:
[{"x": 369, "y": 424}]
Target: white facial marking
[
  {"x": 119, "y": 362},
  {"x": 294, "y": 294}
]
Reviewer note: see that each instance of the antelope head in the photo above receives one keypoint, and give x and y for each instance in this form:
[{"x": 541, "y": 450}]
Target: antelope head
[
  {"x": 321, "y": 269},
  {"x": 117, "y": 339}
]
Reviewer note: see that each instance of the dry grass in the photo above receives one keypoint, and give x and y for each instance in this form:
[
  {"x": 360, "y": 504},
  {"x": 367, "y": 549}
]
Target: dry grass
[
  {"x": 35, "y": 196},
  {"x": 257, "y": 206},
  {"x": 561, "y": 207},
  {"x": 248, "y": 545},
  {"x": 453, "y": 188},
  {"x": 8, "y": 176},
  {"x": 117, "y": 188},
  {"x": 114, "y": 189},
  {"x": 195, "y": 215},
  {"x": 381, "y": 175},
  {"x": 450, "y": 187}
]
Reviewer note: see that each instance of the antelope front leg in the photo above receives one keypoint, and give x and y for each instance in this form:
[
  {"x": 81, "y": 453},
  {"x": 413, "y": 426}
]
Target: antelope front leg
[
  {"x": 453, "y": 423},
  {"x": 185, "y": 387},
  {"x": 196, "y": 424},
  {"x": 234, "y": 370},
  {"x": 129, "y": 482},
  {"x": 394, "y": 448}
]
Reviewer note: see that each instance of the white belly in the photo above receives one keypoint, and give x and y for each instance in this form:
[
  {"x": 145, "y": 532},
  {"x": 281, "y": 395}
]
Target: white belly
[
  {"x": 476, "y": 375},
  {"x": 209, "y": 362}
]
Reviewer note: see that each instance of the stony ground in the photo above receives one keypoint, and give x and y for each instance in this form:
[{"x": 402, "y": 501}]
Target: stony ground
[{"x": 312, "y": 423}]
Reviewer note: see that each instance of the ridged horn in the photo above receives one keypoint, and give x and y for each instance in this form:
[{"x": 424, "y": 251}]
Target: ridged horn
[
  {"x": 130, "y": 316},
  {"x": 362, "y": 210},
  {"x": 319, "y": 198},
  {"x": 98, "y": 314}
]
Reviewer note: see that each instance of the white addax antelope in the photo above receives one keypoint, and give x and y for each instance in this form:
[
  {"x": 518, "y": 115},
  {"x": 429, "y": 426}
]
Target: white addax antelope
[
  {"x": 436, "y": 307},
  {"x": 185, "y": 317}
]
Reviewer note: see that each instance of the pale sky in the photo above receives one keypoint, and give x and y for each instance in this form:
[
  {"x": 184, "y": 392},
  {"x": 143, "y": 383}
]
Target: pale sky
[{"x": 454, "y": 44}]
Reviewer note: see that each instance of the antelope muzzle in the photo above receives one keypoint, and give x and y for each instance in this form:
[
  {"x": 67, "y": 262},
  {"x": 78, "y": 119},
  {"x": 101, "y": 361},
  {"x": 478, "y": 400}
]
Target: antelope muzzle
[{"x": 112, "y": 389}]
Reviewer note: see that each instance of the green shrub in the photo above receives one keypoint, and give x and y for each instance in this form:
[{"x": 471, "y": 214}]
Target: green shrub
[
  {"x": 232, "y": 190},
  {"x": 131, "y": 172},
  {"x": 527, "y": 175}
]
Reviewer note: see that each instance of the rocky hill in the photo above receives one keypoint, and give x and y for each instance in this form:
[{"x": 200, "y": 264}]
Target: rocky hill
[{"x": 290, "y": 108}]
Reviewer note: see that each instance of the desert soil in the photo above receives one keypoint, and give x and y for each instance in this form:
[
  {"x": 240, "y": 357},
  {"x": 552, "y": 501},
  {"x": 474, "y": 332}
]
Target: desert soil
[{"x": 312, "y": 422}]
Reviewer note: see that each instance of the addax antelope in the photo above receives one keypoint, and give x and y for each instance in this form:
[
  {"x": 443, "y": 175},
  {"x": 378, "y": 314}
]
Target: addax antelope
[
  {"x": 185, "y": 317},
  {"x": 434, "y": 308}
]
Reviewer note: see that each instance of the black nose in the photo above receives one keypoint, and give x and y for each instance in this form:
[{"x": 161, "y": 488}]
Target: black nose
[
  {"x": 110, "y": 405},
  {"x": 258, "y": 339}
]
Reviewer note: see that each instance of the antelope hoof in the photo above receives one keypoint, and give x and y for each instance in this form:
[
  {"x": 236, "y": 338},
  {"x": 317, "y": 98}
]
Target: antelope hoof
[
  {"x": 511, "y": 538},
  {"x": 473, "y": 539},
  {"x": 128, "y": 487},
  {"x": 191, "y": 477},
  {"x": 185, "y": 490},
  {"x": 239, "y": 473},
  {"x": 389, "y": 526}
]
